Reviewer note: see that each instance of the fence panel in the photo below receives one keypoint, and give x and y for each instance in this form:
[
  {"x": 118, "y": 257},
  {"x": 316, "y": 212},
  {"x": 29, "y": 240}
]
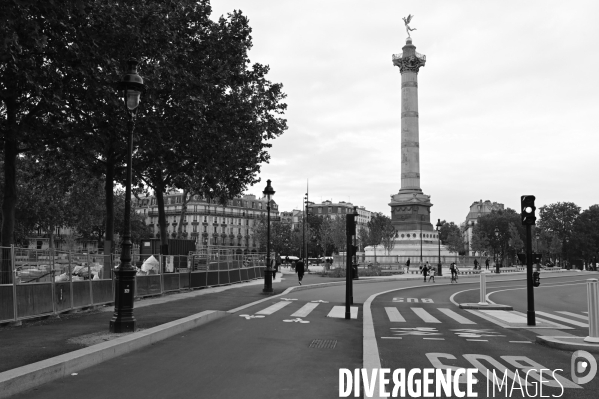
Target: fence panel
[
  {"x": 198, "y": 279},
  {"x": 147, "y": 285},
  {"x": 244, "y": 274},
  {"x": 34, "y": 299},
  {"x": 81, "y": 294},
  {"x": 62, "y": 296},
  {"x": 103, "y": 291},
  {"x": 171, "y": 281},
  {"x": 7, "y": 312},
  {"x": 184, "y": 280},
  {"x": 212, "y": 278}
]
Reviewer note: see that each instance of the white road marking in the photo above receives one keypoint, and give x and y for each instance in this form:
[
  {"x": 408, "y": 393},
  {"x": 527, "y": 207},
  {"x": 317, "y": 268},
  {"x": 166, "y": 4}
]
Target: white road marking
[
  {"x": 436, "y": 339},
  {"x": 416, "y": 331},
  {"x": 247, "y": 316},
  {"x": 305, "y": 310},
  {"x": 563, "y": 319},
  {"x": 425, "y": 316},
  {"x": 320, "y": 301},
  {"x": 509, "y": 317},
  {"x": 298, "y": 320},
  {"x": 457, "y": 317},
  {"x": 586, "y": 318},
  {"x": 391, "y": 337},
  {"x": 288, "y": 299},
  {"x": 520, "y": 342},
  {"x": 339, "y": 312},
  {"x": 478, "y": 340},
  {"x": 394, "y": 315},
  {"x": 273, "y": 308}
]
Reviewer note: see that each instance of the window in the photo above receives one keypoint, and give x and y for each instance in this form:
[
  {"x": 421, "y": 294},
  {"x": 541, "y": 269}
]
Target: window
[
  {"x": 330, "y": 209},
  {"x": 319, "y": 210}
]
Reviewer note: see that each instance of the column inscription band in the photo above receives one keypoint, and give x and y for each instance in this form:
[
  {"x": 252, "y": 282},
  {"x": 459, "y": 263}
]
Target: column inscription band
[
  {"x": 407, "y": 114},
  {"x": 409, "y": 84}
]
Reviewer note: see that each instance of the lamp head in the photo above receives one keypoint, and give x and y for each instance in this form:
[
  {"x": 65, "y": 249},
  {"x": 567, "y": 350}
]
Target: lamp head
[
  {"x": 132, "y": 85},
  {"x": 268, "y": 190}
]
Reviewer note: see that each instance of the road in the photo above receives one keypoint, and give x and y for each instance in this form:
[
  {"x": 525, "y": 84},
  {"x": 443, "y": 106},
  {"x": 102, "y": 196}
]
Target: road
[{"x": 291, "y": 346}]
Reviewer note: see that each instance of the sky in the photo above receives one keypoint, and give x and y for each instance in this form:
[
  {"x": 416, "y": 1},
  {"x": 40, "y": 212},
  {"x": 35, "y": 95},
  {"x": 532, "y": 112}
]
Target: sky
[{"x": 508, "y": 100}]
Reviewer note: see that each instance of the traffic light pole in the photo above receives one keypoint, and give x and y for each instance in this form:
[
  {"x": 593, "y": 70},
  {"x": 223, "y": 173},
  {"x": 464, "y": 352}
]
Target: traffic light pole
[
  {"x": 530, "y": 314},
  {"x": 348, "y": 237}
]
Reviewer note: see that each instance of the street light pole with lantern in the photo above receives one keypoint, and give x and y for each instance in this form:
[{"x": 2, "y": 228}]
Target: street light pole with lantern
[
  {"x": 268, "y": 191},
  {"x": 439, "y": 224},
  {"x": 123, "y": 320}
]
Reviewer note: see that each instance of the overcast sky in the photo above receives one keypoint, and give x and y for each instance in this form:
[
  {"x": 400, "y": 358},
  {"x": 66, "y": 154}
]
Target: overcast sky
[{"x": 508, "y": 100}]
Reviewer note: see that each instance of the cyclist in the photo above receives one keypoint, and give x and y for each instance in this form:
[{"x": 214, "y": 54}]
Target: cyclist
[{"x": 454, "y": 272}]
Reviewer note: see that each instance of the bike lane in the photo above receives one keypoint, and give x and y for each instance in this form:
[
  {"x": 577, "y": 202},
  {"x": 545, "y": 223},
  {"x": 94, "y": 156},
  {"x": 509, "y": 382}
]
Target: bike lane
[{"x": 420, "y": 328}]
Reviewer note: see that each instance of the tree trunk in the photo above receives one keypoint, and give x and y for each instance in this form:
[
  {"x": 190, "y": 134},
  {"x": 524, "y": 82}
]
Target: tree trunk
[
  {"x": 9, "y": 199},
  {"x": 159, "y": 192},
  {"x": 109, "y": 203},
  {"x": 51, "y": 238},
  {"x": 183, "y": 212}
]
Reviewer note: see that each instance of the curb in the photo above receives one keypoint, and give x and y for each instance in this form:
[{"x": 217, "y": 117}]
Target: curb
[
  {"x": 559, "y": 343},
  {"x": 35, "y": 374}
]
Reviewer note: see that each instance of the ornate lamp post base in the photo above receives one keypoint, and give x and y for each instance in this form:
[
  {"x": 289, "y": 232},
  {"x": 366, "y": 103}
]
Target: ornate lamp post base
[{"x": 123, "y": 320}]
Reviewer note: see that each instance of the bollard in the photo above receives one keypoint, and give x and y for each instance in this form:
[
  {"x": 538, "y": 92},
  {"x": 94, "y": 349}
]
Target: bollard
[
  {"x": 483, "y": 289},
  {"x": 593, "y": 308}
]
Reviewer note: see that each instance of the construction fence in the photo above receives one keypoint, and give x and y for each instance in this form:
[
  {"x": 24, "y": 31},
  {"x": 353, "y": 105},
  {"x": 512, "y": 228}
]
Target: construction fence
[{"x": 43, "y": 283}]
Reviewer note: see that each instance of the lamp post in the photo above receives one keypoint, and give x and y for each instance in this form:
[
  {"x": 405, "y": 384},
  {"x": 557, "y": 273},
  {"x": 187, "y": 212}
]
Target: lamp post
[
  {"x": 566, "y": 253},
  {"x": 496, "y": 236},
  {"x": 268, "y": 191},
  {"x": 421, "y": 218},
  {"x": 305, "y": 243},
  {"x": 439, "y": 224},
  {"x": 123, "y": 320}
]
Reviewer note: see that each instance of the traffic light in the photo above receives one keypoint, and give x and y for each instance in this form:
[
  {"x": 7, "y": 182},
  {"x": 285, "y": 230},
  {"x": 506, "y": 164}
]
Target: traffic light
[
  {"x": 536, "y": 258},
  {"x": 352, "y": 251},
  {"x": 528, "y": 210},
  {"x": 536, "y": 279}
]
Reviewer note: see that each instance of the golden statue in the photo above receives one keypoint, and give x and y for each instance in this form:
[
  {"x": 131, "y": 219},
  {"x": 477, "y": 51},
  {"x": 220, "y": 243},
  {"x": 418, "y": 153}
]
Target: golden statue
[{"x": 407, "y": 22}]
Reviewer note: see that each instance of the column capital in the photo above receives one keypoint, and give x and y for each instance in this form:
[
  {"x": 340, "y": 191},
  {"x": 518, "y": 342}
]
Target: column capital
[{"x": 409, "y": 63}]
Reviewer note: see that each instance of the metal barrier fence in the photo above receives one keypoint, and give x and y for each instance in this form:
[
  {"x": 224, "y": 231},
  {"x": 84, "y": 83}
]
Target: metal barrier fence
[
  {"x": 460, "y": 260},
  {"x": 45, "y": 283}
]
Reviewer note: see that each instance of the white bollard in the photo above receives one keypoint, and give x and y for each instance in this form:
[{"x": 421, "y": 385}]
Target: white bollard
[
  {"x": 593, "y": 307},
  {"x": 483, "y": 289}
]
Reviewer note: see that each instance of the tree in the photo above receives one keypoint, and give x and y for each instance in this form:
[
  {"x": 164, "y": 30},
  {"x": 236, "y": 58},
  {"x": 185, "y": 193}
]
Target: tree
[
  {"x": 479, "y": 241},
  {"x": 455, "y": 241},
  {"x": 327, "y": 235},
  {"x": 559, "y": 218},
  {"x": 388, "y": 235},
  {"x": 375, "y": 229},
  {"x": 585, "y": 234},
  {"x": 363, "y": 237},
  {"x": 446, "y": 230}
]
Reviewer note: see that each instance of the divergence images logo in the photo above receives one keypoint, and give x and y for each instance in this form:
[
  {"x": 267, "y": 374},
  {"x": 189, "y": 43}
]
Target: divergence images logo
[{"x": 583, "y": 366}]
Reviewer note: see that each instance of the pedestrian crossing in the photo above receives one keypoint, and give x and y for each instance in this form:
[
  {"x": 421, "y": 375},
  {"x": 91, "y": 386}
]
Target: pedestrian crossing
[{"x": 408, "y": 314}]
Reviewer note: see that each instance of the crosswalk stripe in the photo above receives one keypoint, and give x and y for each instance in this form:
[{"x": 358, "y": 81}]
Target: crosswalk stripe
[
  {"x": 305, "y": 310},
  {"x": 424, "y": 315},
  {"x": 273, "y": 308},
  {"x": 457, "y": 317},
  {"x": 573, "y": 315},
  {"x": 394, "y": 315},
  {"x": 339, "y": 312},
  {"x": 563, "y": 319}
]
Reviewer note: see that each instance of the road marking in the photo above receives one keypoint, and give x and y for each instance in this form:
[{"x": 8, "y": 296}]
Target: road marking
[
  {"x": 469, "y": 333},
  {"x": 416, "y": 331},
  {"x": 273, "y": 308},
  {"x": 288, "y": 299},
  {"x": 478, "y": 340},
  {"x": 436, "y": 339},
  {"x": 394, "y": 315},
  {"x": 509, "y": 317},
  {"x": 339, "y": 312},
  {"x": 298, "y": 320},
  {"x": 412, "y": 300},
  {"x": 320, "y": 301},
  {"x": 520, "y": 342},
  {"x": 305, "y": 310},
  {"x": 457, "y": 317},
  {"x": 391, "y": 337},
  {"x": 247, "y": 316},
  {"x": 586, "y": 318},
  {"x": 563, "y": 319},
  {"x": 425, "y": 316}
]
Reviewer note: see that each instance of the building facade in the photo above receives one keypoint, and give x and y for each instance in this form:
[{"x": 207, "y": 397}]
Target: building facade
[
  {"x": 336, "y": 209},
  {"x": 208, "y": 222},
  {"x": 477, "y": 209}
]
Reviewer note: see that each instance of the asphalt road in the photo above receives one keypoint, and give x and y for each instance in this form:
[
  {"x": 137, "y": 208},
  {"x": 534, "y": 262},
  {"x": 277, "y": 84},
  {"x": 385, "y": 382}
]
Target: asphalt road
[{"x": 289, "y": 347}]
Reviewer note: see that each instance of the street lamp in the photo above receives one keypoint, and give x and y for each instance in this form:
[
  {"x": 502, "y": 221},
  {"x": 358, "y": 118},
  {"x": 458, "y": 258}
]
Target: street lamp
[
  {"x": 268, "y": 191},
  {"x": 496, "y": 263},
  {"x": 439, "y": 224},
  {"x": 123, "y": 320},
  {"x": 566, "y": 253}
]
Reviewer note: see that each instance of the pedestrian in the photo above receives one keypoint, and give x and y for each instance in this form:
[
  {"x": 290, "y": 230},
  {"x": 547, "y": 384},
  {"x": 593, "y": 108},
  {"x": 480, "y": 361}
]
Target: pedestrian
[
  {"x": 408, "y": 265},
  {"x": 454, "y": 272},
  {"x": 431, "y": 273},
  {"x": 299, "y": 269},
  {"x": 273, "y": 265},
  {"x": 424, "y": 272},
  {"x": 487, "y": 263},
  {"x": 475, "y": 264}
]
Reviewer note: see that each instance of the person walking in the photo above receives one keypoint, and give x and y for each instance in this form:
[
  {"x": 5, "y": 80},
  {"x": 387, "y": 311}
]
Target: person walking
[
  {"x": 431, "y": 273},
  {"x": 487, "y": 263},
  {"x": 408, "y": 265},
  {"x": 274, "y": 264},
  {"x": 424, "y": 272},
  {"x": 299, "y": 269},
  {"x": 475, "y": 264}
]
